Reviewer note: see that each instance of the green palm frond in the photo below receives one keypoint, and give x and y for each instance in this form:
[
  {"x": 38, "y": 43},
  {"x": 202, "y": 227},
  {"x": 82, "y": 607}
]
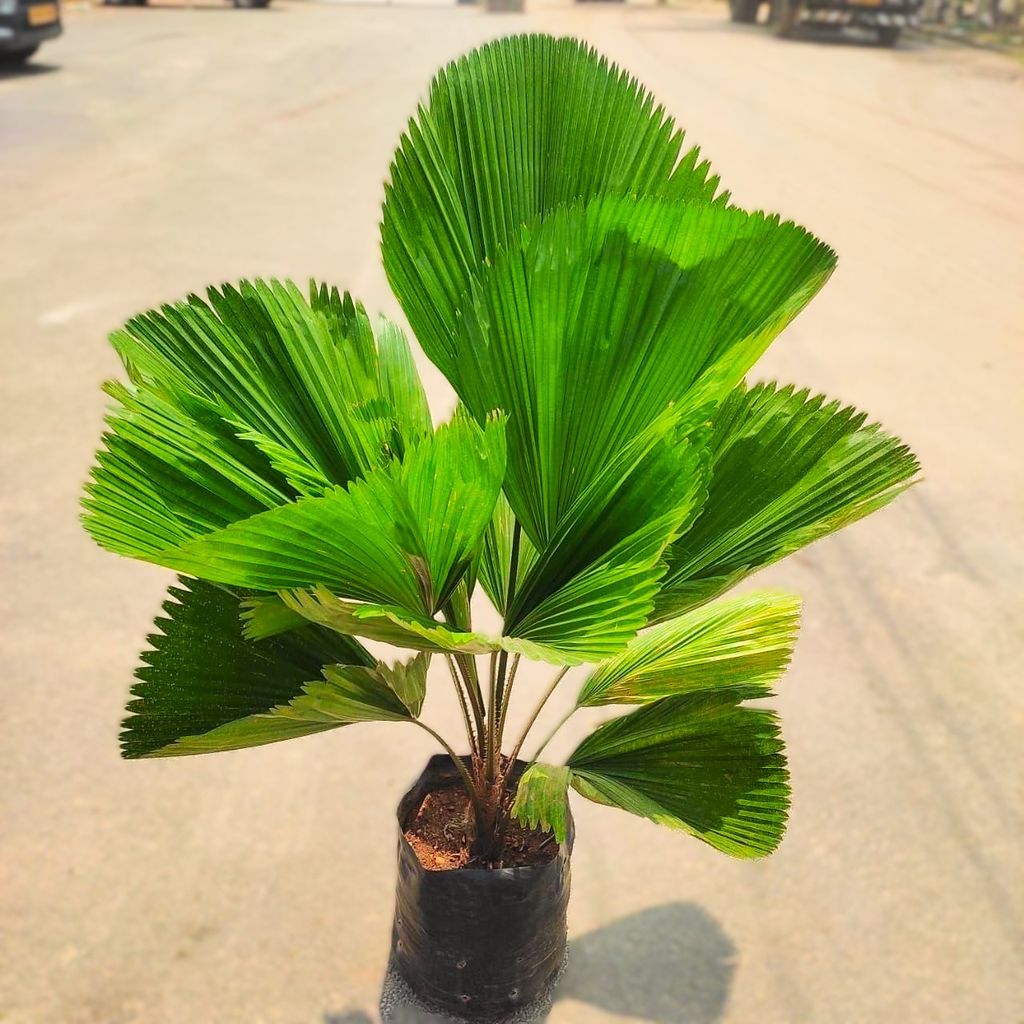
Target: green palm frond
[
  {"x": 402, "y": 535},
  {"x": 204, "y": 686},
  {"x": 786, "y": 470},
  {"x": 604, "y": 317},
  {"x": 742, "y": 641},
  {"x": 495, "y": 565},
  {"x": 699, "y": 762},
  {"x": 594, "y": 584},
  {"x": 240, "y": 404},
  {"x": 383, "y": 623},
  {"x": 511, "y": 132}
]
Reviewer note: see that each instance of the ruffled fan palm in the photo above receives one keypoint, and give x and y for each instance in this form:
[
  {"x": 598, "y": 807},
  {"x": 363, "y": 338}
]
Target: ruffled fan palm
[{"x": 595, "y": 301}]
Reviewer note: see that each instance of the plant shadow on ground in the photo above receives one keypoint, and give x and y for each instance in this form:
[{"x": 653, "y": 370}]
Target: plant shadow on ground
[{"x": 671, "y": 964}]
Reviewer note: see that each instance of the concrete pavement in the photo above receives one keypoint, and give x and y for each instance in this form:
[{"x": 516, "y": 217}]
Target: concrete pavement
[{"x": 154, "y": 151}]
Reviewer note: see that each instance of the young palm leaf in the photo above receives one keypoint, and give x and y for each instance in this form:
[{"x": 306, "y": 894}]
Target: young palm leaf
[
  {"x": 698, "y": 762},
  {"x": 744, "y": 641},
  {"x": 403, "y": 535}
]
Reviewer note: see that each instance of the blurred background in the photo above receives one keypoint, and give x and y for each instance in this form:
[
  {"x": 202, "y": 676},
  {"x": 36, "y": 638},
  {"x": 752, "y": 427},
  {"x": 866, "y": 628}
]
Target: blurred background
[{"x": 148, "y": 151}]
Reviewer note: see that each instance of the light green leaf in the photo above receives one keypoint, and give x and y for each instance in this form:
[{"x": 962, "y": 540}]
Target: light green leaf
[
  {"x": 205, "y": 687},
  {"x": 266, "y": 615},
  {"x": 408, "y": 680},
  {"x": 542, "y": 799},
  {"x": 403, "y": 535},
  {"x": 164, "y": 476},
  {"x": 238, "y": 405},
  {"x": 741, "y": 641},
  {"x": 698, "y": 762},
  {"x": 349, "y": 694},
  {"x": 400, "y": 383},
  {"x": 400, "y": 628},
  {"x": 384, "y": 624},
  {"x": 511, "y": 132},
  {"x": 787, "y": 469}
]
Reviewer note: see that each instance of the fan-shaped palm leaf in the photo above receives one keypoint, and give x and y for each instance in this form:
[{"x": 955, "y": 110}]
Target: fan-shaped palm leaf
[
  {"x": 511, "y": 132},
  {"x": 240, "y": 405},
  {"x": 403, "y": 535},
  {"x": 744, "y": 641},
  {"x": 787, "y": 469},
  {"x": 204, "y": 686}
]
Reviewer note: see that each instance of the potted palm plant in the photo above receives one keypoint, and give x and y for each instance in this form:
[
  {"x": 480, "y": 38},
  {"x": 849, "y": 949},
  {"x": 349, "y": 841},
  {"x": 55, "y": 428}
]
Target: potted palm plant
[{"x": 596, "y": 302}]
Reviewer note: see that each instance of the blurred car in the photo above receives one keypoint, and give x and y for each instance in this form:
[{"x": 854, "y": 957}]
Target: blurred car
[
  {"x": 887, "y": 18},
  {"x": 142, "y": 3},
  {"x": 24, "y": 24}
]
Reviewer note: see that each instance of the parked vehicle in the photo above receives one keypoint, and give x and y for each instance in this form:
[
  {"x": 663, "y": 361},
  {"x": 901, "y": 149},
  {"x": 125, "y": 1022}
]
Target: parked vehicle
[
  {"x": 24, "y": 25},
  {"x": 887, "y": 18},
  {"x": 142, "y": 3}
]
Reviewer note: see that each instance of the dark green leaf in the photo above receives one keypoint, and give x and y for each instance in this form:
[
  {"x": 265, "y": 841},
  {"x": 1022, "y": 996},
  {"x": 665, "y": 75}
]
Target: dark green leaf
[
  {"x": 698, "y": 762},
  {"x": 205, "y": 687}
]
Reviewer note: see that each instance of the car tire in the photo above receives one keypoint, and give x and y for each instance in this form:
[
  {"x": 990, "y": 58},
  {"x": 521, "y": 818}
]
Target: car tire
[
  {"x": 889, "y": 35},
  {"x": 744, "y": 12},
  {"x": 251, "y": 4},
  {"x": 15, "y": 58}
]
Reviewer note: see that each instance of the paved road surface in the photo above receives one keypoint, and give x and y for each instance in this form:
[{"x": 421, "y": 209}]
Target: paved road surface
[{"x": 153, "y": 151}]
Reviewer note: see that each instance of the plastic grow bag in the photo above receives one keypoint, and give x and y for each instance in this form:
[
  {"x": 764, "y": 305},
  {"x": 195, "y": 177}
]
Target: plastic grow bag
[{"x": 476, "y": 942}]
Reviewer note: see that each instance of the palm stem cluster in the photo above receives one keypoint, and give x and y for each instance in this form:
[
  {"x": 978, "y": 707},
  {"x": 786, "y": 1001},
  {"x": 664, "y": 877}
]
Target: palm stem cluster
[{"x": 597, "y": 303}]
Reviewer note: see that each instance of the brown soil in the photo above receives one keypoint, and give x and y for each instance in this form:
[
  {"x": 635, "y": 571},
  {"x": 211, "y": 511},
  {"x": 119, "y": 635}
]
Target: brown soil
[{"x": 440, "y": 833}]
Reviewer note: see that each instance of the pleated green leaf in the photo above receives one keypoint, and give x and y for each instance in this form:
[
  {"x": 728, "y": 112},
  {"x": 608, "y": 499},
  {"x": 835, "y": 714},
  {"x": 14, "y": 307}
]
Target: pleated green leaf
[
  {"x": 403, "y": 535},
  {"x": 242, "y": 403},
  {"x": 206, "y": 687},
  {"x": 398, "y": 627},
  {"x": 604, "y": 317},
  {"x": 786, "y": 469},
  {"x": 407, "y": 680},
  {"x": 698, "y": 762},
  {"x": 594, "y": 584},
  {"x": 266, "y": 615},
  {"x": 739, "y": 641},
  {"x": 511, "y": 132},
  {"x": 542, "y": 799},
  {"x": 165, "y": 475},
  {"x": 353, "y": 693}
]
